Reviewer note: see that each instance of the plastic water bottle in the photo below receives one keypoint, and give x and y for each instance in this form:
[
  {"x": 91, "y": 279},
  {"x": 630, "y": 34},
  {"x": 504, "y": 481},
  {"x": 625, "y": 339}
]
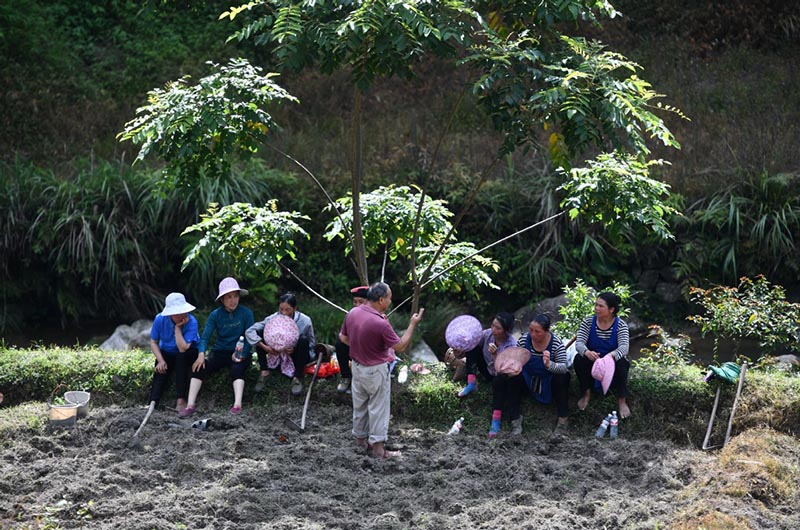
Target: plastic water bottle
[
  {"x": 601, "y": 430},
  {"x": 239, "y": 349},
  {"x": 457, "y": 426},
  {"x": 613, "y": 430},
  {"x": 334, "y": 362}
]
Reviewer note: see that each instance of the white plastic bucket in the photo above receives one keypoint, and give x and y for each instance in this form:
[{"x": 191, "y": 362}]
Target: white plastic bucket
[{"x": 80, "y": 398}]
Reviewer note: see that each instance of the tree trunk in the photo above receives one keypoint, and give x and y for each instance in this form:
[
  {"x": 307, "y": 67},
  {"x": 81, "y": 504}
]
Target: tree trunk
[{"x": 359, "y": 251}]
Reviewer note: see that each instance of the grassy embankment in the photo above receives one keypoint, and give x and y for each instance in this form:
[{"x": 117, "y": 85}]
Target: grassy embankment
[{"x": 668, "y": 401}]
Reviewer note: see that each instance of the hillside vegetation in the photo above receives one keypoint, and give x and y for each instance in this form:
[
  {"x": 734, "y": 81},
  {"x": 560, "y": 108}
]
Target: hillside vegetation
[{"x": 73, "y": 73}]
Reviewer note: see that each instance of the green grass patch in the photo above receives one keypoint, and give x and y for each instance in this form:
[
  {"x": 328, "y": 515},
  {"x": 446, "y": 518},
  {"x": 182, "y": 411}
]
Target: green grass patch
[
  {"x": 668, "y": 401},
  {"x": 33, "y": 374}
]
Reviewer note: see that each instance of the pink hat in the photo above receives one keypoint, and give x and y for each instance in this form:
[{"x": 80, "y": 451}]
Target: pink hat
[
  {"x": 511, "y": 360},
  {"x": 228, "y": 285},
  {"x": 603, "y": 371}
]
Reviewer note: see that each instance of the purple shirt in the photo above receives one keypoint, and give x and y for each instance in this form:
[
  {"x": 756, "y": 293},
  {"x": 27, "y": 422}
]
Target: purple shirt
[
  {"x": 370, "y": 336},
  {"x": 488, "y": 338}
]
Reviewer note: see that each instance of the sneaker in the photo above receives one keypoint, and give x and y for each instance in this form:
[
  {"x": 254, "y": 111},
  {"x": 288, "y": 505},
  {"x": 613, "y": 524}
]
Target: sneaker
[
  {"x": 344, "y": 385},
  {"x": 516, "y": 426},
  {"x": 262, "y": 383},
  {"x": 235, "y": 410},
  {"x": 494, "y": 429},
  {"x": 470, "y": 388},
  {"x": 297, "y": 387},
  {"x": 188, "y": 411}
]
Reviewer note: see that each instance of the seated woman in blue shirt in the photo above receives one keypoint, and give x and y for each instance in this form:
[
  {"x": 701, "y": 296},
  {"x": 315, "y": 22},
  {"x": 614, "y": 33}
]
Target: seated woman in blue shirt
[
  {"x": 173, "y": 340},
  {"x": 229, "y": 322}
]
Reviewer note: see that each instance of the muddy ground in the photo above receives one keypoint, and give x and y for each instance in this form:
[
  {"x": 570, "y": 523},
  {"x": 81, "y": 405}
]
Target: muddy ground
[{"x": 252, "y": 471}]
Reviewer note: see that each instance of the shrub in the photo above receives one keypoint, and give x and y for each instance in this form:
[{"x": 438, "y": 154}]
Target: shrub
[
  {"x": 755, "y": 309},
  {"x": 112, "y": 376},
  {"x": 102, "y": 242},
  {"x": 747, "y": 227}
]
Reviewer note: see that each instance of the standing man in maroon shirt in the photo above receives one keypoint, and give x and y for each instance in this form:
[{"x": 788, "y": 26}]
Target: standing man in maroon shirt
[{"x": 368, "y": 333}]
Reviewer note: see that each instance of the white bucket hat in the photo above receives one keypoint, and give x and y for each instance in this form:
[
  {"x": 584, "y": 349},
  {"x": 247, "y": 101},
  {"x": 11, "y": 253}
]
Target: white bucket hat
[
  {"x": 228, "y": 285},
  {"x": 176, "y": 304}
]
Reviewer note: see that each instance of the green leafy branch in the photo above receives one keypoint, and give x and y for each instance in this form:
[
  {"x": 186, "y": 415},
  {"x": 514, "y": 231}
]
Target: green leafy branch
[
  {"x": 591, "y": 97},
  {"x": 616, "y": 189},
  {"x": 197, "y": 128},
  {"x": 755, "y": 309},
  {"x": 458, "y": 268},
  {"x": 253, "y": 239},
  {"x": 374, "y": 38}
]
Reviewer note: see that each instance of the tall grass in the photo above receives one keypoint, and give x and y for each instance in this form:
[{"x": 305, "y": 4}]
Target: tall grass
[
  {"x": 103, "y": 241},
  {"x": 748, "y": 227}
]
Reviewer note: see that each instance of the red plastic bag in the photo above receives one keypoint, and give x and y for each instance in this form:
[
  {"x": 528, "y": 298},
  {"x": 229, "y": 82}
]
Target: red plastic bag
[{"x": 325, "y": 370}]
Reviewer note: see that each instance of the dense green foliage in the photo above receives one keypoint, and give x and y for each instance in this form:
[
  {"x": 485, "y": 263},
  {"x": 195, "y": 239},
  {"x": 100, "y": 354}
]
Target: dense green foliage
[
  {"x": 102, "y": 242},
  {"x": 755, "y": 309},
  {"x": 748, "y": 226},
  {"x": 73, "y": 73}
]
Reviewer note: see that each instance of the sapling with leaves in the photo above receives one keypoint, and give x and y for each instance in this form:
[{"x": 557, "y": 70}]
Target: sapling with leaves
[
  {"x": 755, "y": 309},
  {"x": 528, "y": 76}
]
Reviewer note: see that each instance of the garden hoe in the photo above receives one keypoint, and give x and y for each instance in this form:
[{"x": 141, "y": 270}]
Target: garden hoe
[
  {"x": 150, "y": 410},
  {"x": 727, "y": 372},
  {"x": 302, "y": 427}
]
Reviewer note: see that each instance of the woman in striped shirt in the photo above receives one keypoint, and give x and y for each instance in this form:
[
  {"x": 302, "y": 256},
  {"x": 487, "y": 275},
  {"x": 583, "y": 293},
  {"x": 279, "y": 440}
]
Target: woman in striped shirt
[
  {"x": 546, "y": 374},
  {"x": 600, "y": 335}
]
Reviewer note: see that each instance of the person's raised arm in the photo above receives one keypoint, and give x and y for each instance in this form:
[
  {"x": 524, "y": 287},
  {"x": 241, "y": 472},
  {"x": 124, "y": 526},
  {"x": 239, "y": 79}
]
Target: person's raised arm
[
  {"x": 180, "y": 342},
  {"x": 405, "y": 340}
]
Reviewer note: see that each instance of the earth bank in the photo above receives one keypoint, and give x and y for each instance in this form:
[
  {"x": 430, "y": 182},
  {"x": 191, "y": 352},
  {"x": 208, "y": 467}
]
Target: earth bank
[{"x": 253, "y": 471}]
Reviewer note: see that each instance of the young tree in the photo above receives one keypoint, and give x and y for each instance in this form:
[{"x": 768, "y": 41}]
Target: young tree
[{"x": 528, "y": 76}]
